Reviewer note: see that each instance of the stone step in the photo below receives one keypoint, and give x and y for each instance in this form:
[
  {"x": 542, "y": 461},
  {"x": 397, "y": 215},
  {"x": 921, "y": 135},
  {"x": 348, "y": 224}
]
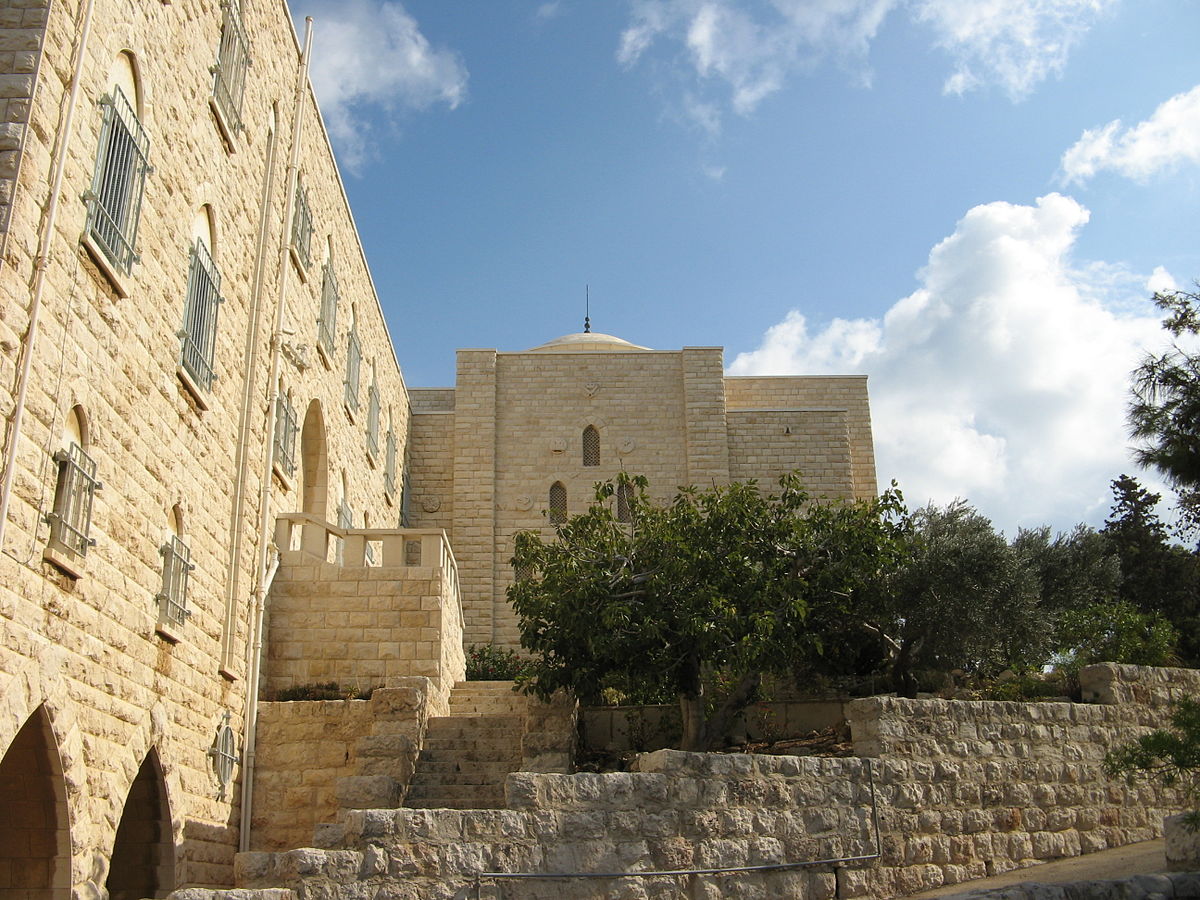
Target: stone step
[
  {"x": 486, "y": 708},
  {"x": 493, "y": 720},
  {"x": 477, "y": 751},
  {"x": 435, "y": 768},
  {"x": 479, "y": 802},
  {"x": 455, "y": 796},
  {"x": 470, "y": 733}
]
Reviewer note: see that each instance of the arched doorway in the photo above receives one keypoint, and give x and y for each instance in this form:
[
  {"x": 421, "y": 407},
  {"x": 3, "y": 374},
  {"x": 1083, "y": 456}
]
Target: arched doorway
[
  {"x": 143, "y": 857},
  {"x": 35, "y": 846},
  {"x": 314, "y": 462}
]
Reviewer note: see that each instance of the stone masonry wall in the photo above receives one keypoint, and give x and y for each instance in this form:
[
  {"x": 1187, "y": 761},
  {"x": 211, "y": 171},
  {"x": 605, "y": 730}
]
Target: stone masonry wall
[
  {"x": 815, "y": 393},
  {"x": 86, "y": 651},
  {"x": 963, "y": 789},
  {"x": 313, "y": 755},
  {"x": 21, "y": 30},
  {"x": 767, "y": 443}
]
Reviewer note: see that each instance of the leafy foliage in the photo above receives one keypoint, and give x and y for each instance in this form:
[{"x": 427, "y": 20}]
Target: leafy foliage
[
  {"x": 327, "y": 690},
  {"x": 488, "y": 663},
  {"x": 1171, "y": 756},
  {"x": 723, "y": 580}
]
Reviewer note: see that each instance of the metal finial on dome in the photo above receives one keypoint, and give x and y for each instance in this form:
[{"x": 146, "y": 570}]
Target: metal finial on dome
[{"x": 587, "y": 309}]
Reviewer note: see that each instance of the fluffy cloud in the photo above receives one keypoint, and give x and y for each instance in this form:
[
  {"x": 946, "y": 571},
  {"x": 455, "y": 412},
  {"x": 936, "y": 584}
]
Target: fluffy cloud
[
  {"x": 370, "y": 61},
  {"x": 1003, "y": 378},
  {"x": 750, "y": 51},
  {"x": 1169, "y": 137}
]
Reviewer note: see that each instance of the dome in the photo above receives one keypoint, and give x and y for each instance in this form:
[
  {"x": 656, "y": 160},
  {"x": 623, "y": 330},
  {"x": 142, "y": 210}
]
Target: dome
[{"x": 586, "y": 342}]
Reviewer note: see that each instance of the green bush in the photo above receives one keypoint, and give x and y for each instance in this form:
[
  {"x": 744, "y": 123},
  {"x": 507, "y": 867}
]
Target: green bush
[
  {"x": 1172, "y": 756},
  {"x": 328, "y": 690},
  {"x": 488, "y": 663}
]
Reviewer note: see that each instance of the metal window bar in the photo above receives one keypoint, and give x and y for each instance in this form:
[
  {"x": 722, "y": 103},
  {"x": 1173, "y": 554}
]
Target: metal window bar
[
  {"x": 389, "y": 463},
  {"x": 177, "y": 564},
  {"x": 199, "y": 334},
  {"x": 327, "y": 323},
  {"x": 373, "y": 420},
  {"x": 558, "y": 503},
  {"x": 114, "y": 201},
  {"x": 591, "y": 446},
  {"x": 405, "y": 501},
  {"x": 353, "y": 364},
  {"x": 71, "y": 519},
  {"x": 229, "y": 72},
  {"x": 286, "y": 428},
  {"x": 302, "y": 227},
  {"x": 223, "y": 754}
]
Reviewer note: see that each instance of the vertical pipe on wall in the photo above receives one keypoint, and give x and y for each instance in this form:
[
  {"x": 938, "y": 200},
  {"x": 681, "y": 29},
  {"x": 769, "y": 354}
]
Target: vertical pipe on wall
[
  {"x": 41, "y": 260},
  {"x": 267, "y": 562}
]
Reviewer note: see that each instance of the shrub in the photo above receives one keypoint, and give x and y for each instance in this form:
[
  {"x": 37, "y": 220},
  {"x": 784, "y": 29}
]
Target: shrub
[
  {"x": 328, "y": 690},
  {"x": 488, "y": 663},
  {"x": 1172, "y": 756}
]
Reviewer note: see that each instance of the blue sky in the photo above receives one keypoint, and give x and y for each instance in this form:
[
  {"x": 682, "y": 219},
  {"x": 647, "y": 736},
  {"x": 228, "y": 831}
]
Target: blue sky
[{"x": 968, "y": 200}]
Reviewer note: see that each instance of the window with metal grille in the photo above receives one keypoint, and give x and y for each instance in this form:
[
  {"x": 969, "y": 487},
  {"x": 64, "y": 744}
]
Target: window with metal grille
[
  {"x": 353, "y": 364},
  {"x": 302, "y": 227},
  {"x": 229, "y": 72},
  {"x": 345, "y": 520},
  {"x": 558, "y": 503},
  {"x": 223, "y": 754},
  {"x": 286, "y": 427},
  {"x": 405, "y": 501},
  {"x": 623, "y": 494},
  {"x": 199, "y": 334},
  {"x": 177, "y": 566},
  {"x": 389, "y": 463},
  {"x": 71, "y": 519},
  {"x": 327, "y": 323},
  {"x": 591, "y": 446},
  {"x": 373, "y": 420},
  {"x": 114, "y": 202}
]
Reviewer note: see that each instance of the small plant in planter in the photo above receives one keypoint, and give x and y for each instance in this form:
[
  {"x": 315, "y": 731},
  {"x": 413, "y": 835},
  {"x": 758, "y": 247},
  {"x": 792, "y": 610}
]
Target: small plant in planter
[{"x": 1173, "y": 757}]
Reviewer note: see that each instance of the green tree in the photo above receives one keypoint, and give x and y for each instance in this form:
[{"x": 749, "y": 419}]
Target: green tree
[
  {"x": 1171, "y": 756},
  {"x": 1157, "y": 576},
  {"x": 720, "y": 581},
  {"x": 1165, "y": 410},
  {"x": 961, "y": 598}
]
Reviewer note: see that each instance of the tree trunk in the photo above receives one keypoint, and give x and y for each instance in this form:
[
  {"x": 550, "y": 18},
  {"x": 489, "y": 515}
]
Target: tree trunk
[
  {"x": 691, "y": 707},
  {"x": 722, "y": 720}
]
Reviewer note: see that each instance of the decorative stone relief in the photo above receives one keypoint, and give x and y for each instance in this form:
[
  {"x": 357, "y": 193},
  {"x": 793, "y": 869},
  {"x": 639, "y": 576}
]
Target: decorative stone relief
[
  {"x": 591, "y": 387},
  {"x": 558, "y": 445},
  {"x": 626, "y": 446},
  {"x": 524, "y": 502},
  {"x": 432, "y": 503}
]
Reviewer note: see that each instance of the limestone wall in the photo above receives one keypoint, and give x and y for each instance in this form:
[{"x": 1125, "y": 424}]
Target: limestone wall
[
  {"x": 314, "y": 755},
  {"x": 365, "y": 625},
  {"x": 21, "y": 31},
  {"x": 766, "y": 443},
  {"x": 84, "y": 648}
]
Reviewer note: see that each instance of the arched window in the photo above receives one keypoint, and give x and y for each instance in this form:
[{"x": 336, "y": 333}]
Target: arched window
[
  {"x": 122, "y": 161},
  {"x": 177, "y": 567},
  {"x": 558, "y": 503},
  {"x": 199, "y": 333},
  {"x": 74, "y": 491},
  {"x": 591, "y": 446}
]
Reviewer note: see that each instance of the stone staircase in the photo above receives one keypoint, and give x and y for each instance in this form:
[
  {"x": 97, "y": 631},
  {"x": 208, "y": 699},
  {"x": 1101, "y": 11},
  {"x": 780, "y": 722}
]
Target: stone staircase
[{"x": 467, "y": 754}]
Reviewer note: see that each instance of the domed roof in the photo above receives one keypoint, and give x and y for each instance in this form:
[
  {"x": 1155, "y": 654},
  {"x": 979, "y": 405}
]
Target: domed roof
[{"x": 586, "y": 342}]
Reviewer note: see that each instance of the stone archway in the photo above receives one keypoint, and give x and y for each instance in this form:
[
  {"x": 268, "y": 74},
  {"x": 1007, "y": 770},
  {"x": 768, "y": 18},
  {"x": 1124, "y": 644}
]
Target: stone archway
[
  {"x": 314, "y": 463},
  {"x": 35, "y": 844},
  {"x": 143, "y": 856}
]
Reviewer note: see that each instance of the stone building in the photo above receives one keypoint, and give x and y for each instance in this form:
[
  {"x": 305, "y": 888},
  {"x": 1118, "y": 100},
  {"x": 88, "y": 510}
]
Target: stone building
[
  {"x": 208, "y": 438},
  {"x": 523, "y": 437}
]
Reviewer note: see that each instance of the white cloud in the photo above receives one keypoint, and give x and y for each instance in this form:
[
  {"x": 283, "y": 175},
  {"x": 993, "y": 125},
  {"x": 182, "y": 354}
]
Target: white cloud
[
  {"x": 371, "y": 61},
  {"x": 1003, "y": 377},
  {"x": 1015, "y": 44},
  {"x": 1170, "y": 136},
  {"x": 749, "y": 51}
]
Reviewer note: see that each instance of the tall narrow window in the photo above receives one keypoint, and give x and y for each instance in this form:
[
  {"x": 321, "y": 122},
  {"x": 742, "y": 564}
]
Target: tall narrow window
[
  {"x": 345, "y": 520},
  {"x": 353, "y": 365},
  {"x": 558, "y": 503},
  {"x": 373, "y": 417},
  {"x": 302, "y": 227},
  {"x": 286, "y": 427},
  {"x": 199, "y": 334},
  {"x": 623, "y": 493},
  {"x": 71, "y": 518},
  {"x": 177, "y": 568},
  {"x": 405, "y": 500},
  {"x": 327, "y": 323},
  {"x": 229, "y": 72},
  {"x": 389, "y": 464},
  {"x": 114, "y": 202},
  {"x": 591, "y": 446}
]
